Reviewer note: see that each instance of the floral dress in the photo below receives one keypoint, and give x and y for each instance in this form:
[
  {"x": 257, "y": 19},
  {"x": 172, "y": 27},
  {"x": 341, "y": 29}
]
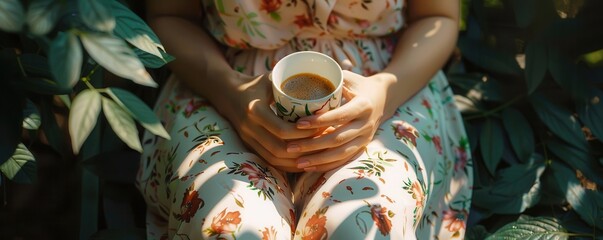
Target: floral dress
[{"x": 413, "y": 181}]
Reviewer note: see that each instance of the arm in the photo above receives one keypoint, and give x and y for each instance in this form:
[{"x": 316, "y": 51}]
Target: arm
[
  {"x": 422, "y": 49},
  {"x": 201, "y": 66}
]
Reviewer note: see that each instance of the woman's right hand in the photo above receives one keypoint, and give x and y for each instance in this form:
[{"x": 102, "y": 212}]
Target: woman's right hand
[{"x": 259, "y": 127}]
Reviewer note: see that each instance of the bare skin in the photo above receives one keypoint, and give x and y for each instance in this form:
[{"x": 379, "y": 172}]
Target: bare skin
[{"x": 423, "y": 48}]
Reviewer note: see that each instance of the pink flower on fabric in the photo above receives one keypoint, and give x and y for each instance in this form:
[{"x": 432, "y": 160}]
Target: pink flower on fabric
[
  {"x": 405, "y": 132},
  {"x": 255, "y": 175},
  {"x": 461, "y": 158},
  {"x": 454, "y": 220}
]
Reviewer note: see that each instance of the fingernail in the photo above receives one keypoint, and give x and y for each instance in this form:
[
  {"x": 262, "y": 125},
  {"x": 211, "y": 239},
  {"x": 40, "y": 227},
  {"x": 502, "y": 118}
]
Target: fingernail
[
  {"x": 293, "y": 148},
  {"x": 303, "y": 164},
  {"x": 303, "y": 124}
]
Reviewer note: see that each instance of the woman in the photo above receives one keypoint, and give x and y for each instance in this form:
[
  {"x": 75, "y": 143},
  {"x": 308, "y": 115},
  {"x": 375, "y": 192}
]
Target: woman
[{"x": 396, "y": 167}]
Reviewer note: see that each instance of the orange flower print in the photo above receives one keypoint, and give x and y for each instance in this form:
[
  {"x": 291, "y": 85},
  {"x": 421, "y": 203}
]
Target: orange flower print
[
  {"x": 271, "y": 5},
  {"x": 437, "y": 142},
  {"x": 427, "y": 105},
  {"x": 418, "y": 194},
  {"x": 315, "y": 227},
  {"x": 190, "y": 204},
  {"x": 224, "y": 223},
  {"x": 454, "y": 220},
  {"x": 269, "y": 234},
  {"x": 381, "y": 218},
  {"x": 302, "y": 21},
  {"x": 405, "y": 132}
]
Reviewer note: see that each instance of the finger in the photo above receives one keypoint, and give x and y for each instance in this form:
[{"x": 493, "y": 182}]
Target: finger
[
  {"x": 337, "y": 137},
  {"x": 333, "y": 165},
  {"x": 279, "y": 163},
  {"x": 343, "y": 152},
  {"x": 262, "y": 114},
  {"x": 344, "y": 114},
  {"x": 269, "y": 142}
]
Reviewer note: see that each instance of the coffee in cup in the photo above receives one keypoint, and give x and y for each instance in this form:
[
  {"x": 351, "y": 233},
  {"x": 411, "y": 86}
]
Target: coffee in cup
[{"x": 306, "y": 83}]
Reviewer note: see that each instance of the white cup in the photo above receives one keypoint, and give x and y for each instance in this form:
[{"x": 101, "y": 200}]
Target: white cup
[{"x": 290, "y": 108}]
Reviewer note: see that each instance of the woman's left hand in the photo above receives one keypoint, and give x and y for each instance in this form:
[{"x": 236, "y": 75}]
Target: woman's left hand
[{"x": 355, "y": 124}]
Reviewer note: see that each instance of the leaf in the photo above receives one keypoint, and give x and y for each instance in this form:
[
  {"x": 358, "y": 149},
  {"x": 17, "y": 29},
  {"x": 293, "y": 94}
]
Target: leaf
[
  {"x": 35, "y": 65},
  {"x": 150, "y": 60},
  {"x": 577, "y": 158},
  {"x": 487, "y": 57},
  {"x": 114, "y": 55},
  {"x": 139, "y": 110},
  {"x": 11, "y": 15},
  {"x": 21, "y": 167},
  {"x": 558, "y": 120},
  {"x": 42, "y": 15},
  {"x": 491, "y": 144},
  {"x": 134, "y": 30},
  {"x": 122, "y": 123},
  {"x": 515, "y": 188},
  {"x": 65, "y": 59},
  {"x": 591, "y": 113},
  {"x": 587, "y": 203},
  {"x": 567, "y": 74},
  {"x": 83, "y": 116},
  {"x": 531, "y": 228},
  {"x": 43, "y": 86},
  {"x": 536, "y": 65},
  {"x": 97, "y": 15},
  {"x": 524, "y": 12},
  {"x": 520, "y": 133},
  {"x": 31, "y": 116}
]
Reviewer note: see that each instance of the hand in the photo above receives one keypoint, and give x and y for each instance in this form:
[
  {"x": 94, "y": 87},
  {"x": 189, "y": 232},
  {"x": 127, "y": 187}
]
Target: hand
[
  {"x": 355, "y": 124},
  {"x": 260, "y": 128}
]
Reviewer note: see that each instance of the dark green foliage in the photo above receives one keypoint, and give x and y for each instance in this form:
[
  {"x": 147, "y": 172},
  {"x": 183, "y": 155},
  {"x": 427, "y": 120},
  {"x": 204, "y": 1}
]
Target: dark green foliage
[{"x": 539, "y": 131}]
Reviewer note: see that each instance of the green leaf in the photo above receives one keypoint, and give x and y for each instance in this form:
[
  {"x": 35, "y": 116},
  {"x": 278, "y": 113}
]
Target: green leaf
[
  {"x": 536, "y": 65},
  {"x": 122, "y": 123},
  {"x": 139, "y": 110},
  {"x": 97, "y": 15},
  {"x": 65, "y": 58},
  {"x": 21, "y": 167},
  {"x": 83, "y": 116},
  {"x": 31, "y": 116},
  {"x": 487, "y": 57},
  {"x": 587, "y": 203},
  {"x": 150, "y": 60},
  {"x": 115, "y": 55},
  {"x": 491, "y": 144},
  {"x": 134, "y": 30},
  {"x": 520, "y": 133},
  {"x": 591, "y": 113},
  {"x": 42, "y": 15},
  {"x": 567, "y": 74},
  {"x": 35, "y": 65},
  {"x": 525, "y": 11},
  {"x": 577, "y": 158},
  {"x": 43, "y": 86},
  {"x": 515, "y": 188},
  {"x": 558, "y": 120},
  {"x": 532, "y": 228},
  {"x": 594, "y": 59},
  {"x": 11, "y": 15}
]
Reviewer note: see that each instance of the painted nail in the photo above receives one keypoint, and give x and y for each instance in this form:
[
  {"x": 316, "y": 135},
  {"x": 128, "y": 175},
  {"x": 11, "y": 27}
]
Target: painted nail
[
  {"x": 303, "y": 124},
  {"x": 293, "y": 148},
  {"x": 303, "y": 164}
]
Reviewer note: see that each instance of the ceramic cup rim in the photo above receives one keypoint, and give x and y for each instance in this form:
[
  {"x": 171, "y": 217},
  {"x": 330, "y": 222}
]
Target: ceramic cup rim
[{"x": 327, "y": 58}]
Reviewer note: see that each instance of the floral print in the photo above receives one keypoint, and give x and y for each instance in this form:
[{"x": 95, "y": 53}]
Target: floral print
[
  {"x": 413, "y": 180},
  {"x": 224, "y": 223}
]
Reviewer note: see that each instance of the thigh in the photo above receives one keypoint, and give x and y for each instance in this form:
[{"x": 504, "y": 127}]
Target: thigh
[{"x": 203, "y": 182}]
